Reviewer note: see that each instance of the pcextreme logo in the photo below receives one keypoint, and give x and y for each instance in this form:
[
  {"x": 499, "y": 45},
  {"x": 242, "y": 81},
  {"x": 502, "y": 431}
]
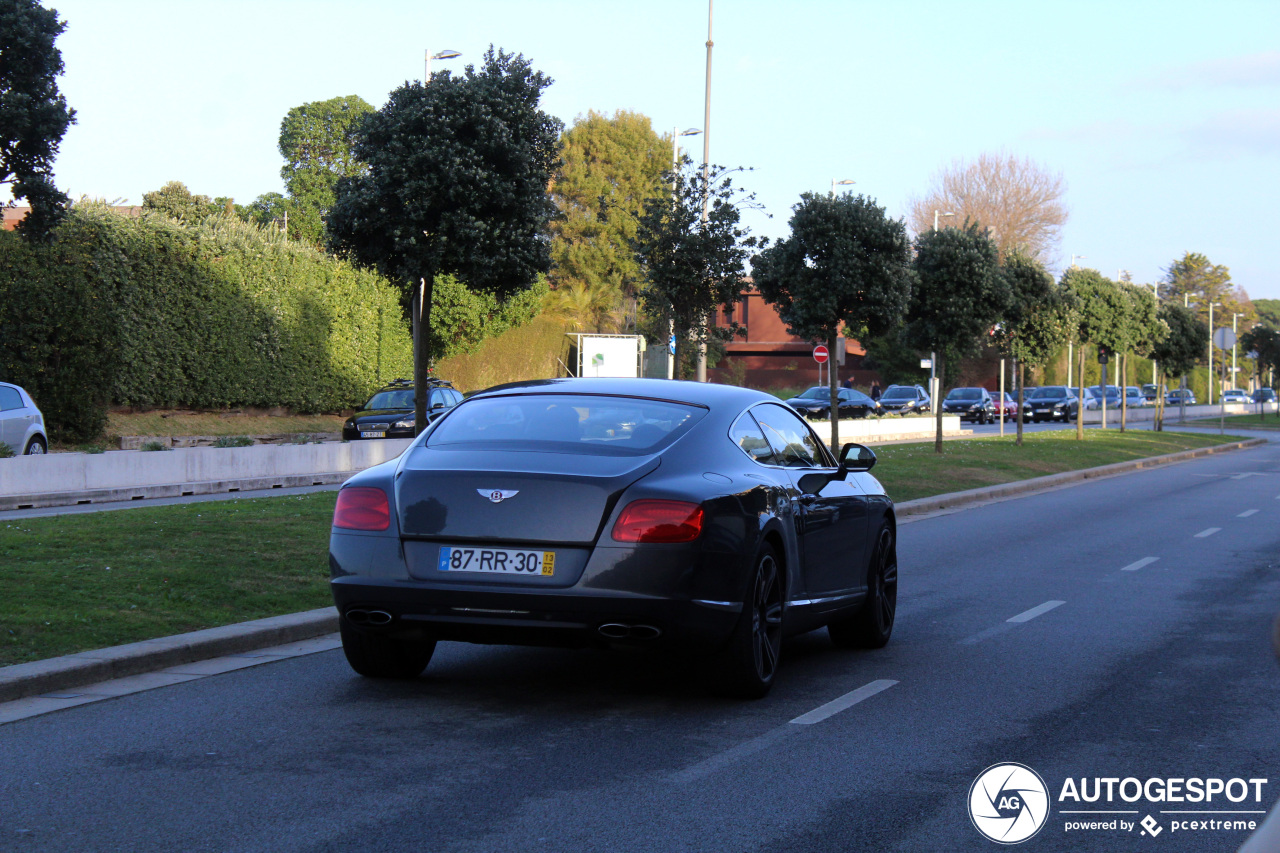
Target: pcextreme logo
[{"x": 1008, "y": 803}]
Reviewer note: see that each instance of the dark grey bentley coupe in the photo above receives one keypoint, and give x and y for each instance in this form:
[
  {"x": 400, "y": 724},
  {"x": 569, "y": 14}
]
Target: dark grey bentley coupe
[{"x": 611, "y": 512}]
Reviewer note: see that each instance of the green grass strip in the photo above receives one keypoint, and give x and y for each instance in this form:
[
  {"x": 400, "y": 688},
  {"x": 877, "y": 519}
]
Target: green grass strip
[{"x": 87, "y": 581}]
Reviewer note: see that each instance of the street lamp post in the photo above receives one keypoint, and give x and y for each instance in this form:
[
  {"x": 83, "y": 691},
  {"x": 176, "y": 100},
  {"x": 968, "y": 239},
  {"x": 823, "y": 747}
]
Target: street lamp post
[
  {"x": 706, "y": 176},
  {"x": 938, "y": 213},
  {"x": 444, "y": 54},
  {"x": 1234, "y": 318},
  {"x": 1210, "y": 380},
  {"x": 846, "y": 182},
  {"x": 676, "y": 133},
  {"x": 1070, "y": 345}
]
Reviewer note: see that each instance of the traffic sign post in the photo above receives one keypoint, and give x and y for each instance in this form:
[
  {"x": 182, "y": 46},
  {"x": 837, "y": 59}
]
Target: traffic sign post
[{"x": 820, "y": 355}]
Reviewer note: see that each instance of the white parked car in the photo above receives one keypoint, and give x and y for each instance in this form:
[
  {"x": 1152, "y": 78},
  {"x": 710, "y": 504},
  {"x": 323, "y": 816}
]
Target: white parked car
[
  {"x": 1236, "y": 395},
  {"x": 21, "y": 424}
]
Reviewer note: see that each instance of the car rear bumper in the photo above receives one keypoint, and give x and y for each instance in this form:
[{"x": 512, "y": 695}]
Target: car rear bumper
[{"x": 528, "y": 617}]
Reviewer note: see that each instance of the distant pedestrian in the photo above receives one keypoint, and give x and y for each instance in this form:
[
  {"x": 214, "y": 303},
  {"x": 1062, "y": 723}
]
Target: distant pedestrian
[
  {"x": 846, "y": 383},
  {"x": 875, "y": 391}
]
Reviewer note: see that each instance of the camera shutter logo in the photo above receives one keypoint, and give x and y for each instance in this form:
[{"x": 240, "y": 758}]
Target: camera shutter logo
[{"x": 1008, "y": 803}]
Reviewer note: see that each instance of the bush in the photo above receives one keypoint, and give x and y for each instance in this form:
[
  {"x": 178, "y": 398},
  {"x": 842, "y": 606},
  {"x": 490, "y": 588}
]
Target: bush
[
  {"x": 148, "y": 312},
  {"x": 152, "y": 446},
  {"x": 234, "y": 441},
  {"x": 6, "y": 452}
]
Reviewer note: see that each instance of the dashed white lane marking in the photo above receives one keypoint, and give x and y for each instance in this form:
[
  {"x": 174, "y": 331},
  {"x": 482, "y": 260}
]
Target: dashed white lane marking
[
  {"x": 1145, "y": 561},
  {"x": 1207, "y": 532},
  {"x": 1247, "y": 513},
  {"x": 1039, "y": 610},
  {"x": 848, "y": 700}
]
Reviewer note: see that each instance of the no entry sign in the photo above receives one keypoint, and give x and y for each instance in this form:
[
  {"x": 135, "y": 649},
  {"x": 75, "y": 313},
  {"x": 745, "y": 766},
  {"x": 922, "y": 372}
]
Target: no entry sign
[{"x": 820, "y": 354}]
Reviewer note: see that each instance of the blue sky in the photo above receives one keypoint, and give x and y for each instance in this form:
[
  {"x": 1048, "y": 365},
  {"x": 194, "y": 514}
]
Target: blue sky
[{"x": 1162, "y": 117}]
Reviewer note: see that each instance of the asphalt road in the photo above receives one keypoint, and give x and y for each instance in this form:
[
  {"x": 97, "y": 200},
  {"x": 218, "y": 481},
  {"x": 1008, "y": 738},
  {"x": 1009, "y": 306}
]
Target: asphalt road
[{"x": 1115, "y": 629}]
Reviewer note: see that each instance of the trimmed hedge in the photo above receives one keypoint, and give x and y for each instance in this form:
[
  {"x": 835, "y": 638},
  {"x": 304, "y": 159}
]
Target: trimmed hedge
[{"x": 148, "y": 312}]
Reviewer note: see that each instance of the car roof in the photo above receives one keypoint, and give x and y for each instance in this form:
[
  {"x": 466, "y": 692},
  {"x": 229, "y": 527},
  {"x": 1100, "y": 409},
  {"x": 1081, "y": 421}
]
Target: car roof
[{"x": 678, "y": 391}]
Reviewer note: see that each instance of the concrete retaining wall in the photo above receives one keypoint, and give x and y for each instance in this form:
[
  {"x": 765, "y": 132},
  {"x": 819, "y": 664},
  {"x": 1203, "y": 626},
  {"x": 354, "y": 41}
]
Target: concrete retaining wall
[{"x": 67, "y": 478}]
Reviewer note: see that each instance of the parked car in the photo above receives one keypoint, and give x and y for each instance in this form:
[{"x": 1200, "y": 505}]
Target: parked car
[
  {"x": 1180, "y": 396},
  {"x": 21, "y": 422},
  {"x": 971, "y": 404},
  {"x": 816, "y": 403},
  {"x": 1095, "y": 393},
  {"x": 1264, "y": 395},
  {"x": 904, "y": 400},
  {"x": 504, "y": 523},
  {"x": 1133, "y": 397},
  {"x": 1235, "y": 395},
  {"x": 1150, "y": 393},
  {"x": 1050, "y": 403},
  {"x": 1006, "y": 407},
  {"x": 389, "y": 412}
]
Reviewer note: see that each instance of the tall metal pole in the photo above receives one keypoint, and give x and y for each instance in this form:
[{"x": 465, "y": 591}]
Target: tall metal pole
[
  {"x": 1210, "y": 400},
  {"x": 706, "y": 198}
]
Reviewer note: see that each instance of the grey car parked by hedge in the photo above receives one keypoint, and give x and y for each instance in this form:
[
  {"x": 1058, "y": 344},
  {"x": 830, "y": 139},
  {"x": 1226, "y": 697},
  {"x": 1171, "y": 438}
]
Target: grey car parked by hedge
[{"x": 21, "y": 423}]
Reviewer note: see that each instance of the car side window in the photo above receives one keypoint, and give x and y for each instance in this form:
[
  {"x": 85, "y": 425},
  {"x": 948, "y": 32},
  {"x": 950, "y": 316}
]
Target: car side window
[
  {"x": 10, "y": 399},
  {"x": 746, "y": 433},
  {"x": 793, "y": 442}
]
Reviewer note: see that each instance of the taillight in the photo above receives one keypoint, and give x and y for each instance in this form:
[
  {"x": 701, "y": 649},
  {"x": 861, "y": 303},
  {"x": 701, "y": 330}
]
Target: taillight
[
  {"x": 659, "y": 521},
  {"x": 362, "y": 509}
]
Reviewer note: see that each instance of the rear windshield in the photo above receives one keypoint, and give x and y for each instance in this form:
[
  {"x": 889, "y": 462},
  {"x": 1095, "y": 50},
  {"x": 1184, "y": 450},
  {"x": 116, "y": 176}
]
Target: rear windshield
[
  {"x": 965, "y": 394},
  {"x": 565, "y": 423}
]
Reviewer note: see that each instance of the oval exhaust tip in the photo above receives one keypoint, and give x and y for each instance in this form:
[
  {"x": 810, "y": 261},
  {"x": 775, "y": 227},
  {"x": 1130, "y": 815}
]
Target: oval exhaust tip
[
  {"x": 614, "y": 630},
  {"x": 379, "y": 617},
  {"x": 645, "y": 632}
]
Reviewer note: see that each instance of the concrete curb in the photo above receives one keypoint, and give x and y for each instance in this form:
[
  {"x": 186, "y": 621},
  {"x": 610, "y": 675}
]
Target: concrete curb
[
  {"x": 62, "y": 673},
  {"x": 958, "y": 500}
]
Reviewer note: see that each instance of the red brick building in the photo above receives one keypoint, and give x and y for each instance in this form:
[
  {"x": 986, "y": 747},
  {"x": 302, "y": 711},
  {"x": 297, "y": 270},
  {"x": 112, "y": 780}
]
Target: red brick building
[{"x": 770, "y": 357}]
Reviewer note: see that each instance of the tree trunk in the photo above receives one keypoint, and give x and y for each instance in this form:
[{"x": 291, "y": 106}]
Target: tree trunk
[
  {"x": 835, "y": 394},
  {"x": 1080, "y": 404},
  {"x": 421, "y": 362},
  {"x": 942, "y": 379},
  {"x": 677, "y": 368},
  {"x": 1021, "y": 372},
  {"x": 1124, "y": 387}
]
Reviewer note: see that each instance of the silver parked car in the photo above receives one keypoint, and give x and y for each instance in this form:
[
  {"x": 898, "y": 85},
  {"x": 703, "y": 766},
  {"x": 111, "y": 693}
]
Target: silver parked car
[{"x": 21, "y": 424}]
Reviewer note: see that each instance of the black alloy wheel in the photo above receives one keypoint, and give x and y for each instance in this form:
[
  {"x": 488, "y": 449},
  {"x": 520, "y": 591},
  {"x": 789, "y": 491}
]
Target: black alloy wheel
[
  {"x": 871, "y": 626},
  {"x": 749, "y": 662}
]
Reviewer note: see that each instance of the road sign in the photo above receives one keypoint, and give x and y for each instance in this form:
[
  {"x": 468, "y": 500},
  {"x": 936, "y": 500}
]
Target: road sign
[
  {"x": 1224, "y": 338},
  {"x": 926, "y": 363},
  {"x": 820, "y": 354}
]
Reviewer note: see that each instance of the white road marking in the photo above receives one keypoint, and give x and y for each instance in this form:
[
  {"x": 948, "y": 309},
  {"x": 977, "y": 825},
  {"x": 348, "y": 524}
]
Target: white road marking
[
  {"x": 848, "y": 700},
  {"x": 1039, "y": 610},
  {"x": 1145, "y": 561},
  {"x": 1247, "y": 513},
  {"x": 1248, "y": 474},
  {"x": 1207, "y": 532}
]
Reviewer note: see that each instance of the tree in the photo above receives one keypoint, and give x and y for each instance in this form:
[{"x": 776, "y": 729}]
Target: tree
[
  {"x": 34, "y": 115},
  {"x": 1100, "y": 307},
  {"x": 1180, "y": 349},
  {"x": 689, "y": 266},
  {"x": 959, "y": 297},
  {"x": 1193, "y": 280},
  {"x": 1038, "y": 321},
  {"x": 462, "y": 318},
  {"x": 456, "y": 184},
  {"x": 1268, "y": 312},
  {"x": 1266, "y": 343},
  {"x": 177, "y": 202},
  {"x": 846, "y": 264},
  {"x": 316, "y": 143},
  {"x": 1019, "y": 201},
  {"x": 610, "y": 166}
]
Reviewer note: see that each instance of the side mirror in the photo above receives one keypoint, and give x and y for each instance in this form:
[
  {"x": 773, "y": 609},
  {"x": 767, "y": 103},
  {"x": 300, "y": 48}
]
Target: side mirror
[{"x": 856, "y": 457}]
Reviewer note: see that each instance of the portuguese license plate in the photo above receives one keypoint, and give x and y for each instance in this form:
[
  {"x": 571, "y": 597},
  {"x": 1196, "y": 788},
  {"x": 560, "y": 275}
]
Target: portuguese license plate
[
  {"x": 497, "y": 560},
  {"x": 372, "y": 434}
]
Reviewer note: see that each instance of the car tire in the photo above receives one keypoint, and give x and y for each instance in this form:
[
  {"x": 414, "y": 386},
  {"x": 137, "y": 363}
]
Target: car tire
[
  {"x": 871, "y": 626},
  {"x": 380, "y": 656},
  {"x": 746, "y": 667},
  {"x": 36, "y": 447}
]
